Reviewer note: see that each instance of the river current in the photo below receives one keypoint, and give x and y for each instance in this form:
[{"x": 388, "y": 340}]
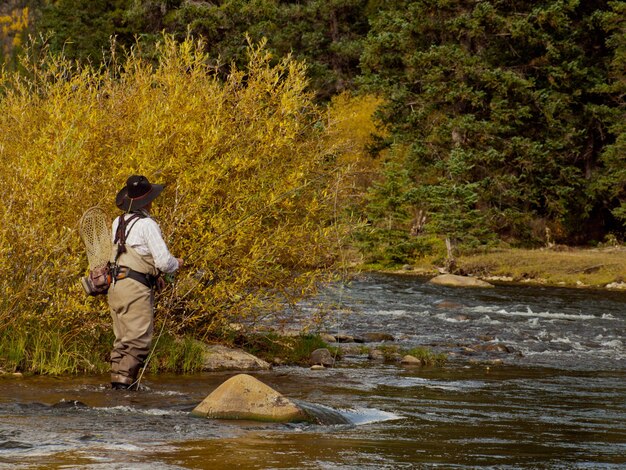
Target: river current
[{"x": 535, "y": 379}]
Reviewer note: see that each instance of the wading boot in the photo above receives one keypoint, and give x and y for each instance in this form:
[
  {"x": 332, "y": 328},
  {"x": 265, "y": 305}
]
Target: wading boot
[{"x": 121, "y": 382}]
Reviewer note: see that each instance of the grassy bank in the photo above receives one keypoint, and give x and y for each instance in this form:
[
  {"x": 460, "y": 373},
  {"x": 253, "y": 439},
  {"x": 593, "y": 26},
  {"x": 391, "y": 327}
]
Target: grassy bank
[
  {"x": 43, "y": 350},
  {"x": 560, "y": 266}
]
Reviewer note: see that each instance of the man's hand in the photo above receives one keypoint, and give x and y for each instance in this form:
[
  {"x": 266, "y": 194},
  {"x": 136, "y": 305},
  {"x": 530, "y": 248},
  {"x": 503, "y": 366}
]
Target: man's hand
[{"x": 181, "y": 263}]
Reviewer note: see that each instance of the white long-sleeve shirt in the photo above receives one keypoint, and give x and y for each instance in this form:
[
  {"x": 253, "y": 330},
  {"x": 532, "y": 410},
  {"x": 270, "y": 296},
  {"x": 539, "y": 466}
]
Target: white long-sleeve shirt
[{"x": 146, "y": 238}]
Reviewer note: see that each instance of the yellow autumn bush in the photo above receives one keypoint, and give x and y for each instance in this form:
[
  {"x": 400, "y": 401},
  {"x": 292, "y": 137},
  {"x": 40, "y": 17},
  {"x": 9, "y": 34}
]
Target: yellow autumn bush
[
  {"x": 352, "y": 124},
  {"x": 253, "y": 170}
]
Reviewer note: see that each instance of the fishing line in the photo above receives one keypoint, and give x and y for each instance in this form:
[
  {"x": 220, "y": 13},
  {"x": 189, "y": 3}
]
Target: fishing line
[
  {"x": 258, "y": 211},
  {"x": 145, "y": 366},
  {"x": 344, "y": 270}
]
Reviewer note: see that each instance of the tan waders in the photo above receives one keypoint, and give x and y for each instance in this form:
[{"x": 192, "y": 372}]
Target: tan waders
[{"x": 132, "y": 311}]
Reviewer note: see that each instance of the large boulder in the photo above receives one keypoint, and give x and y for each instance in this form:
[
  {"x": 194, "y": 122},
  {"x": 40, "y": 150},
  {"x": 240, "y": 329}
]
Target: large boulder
[
  {"x": 245, "y": 397},
  {"x": 453, "y": 280},
  {"x": 217, "y": 357}
]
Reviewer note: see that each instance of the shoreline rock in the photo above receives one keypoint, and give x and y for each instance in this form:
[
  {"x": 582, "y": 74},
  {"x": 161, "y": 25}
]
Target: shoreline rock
[
  {"x": 453, "y": 280},
  {"x": 409, "y": 360},
  {"x": 616, "y": 285},
  {"x": 322, "y": 357},
  {"x": 220, "y": 358}
]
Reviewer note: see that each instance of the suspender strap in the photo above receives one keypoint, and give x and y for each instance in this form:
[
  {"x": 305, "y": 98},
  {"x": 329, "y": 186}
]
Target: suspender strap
[{"x": 123, "y": 229}]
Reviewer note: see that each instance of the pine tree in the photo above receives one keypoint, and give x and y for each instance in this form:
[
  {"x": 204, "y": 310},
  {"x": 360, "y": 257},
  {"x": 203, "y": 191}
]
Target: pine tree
[
  {"x": 494, "y": 107},
  {"x": 82, "y": 29}
]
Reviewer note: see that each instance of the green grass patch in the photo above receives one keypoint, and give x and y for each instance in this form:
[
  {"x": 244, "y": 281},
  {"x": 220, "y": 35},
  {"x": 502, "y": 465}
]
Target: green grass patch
[
  {"x": 290, "y": 349},
  {"x": 177, "y": 355},
  {"x": 428, "y": 357},
  {"x": 46, "y": 350}
]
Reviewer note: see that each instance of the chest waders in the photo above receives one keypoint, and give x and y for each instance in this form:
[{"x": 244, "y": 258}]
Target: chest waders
[{"x": 131, "y": 302}]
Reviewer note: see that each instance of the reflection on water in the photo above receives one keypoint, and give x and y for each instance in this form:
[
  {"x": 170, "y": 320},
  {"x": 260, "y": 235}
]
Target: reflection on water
[{"x": 466, "y": 415}]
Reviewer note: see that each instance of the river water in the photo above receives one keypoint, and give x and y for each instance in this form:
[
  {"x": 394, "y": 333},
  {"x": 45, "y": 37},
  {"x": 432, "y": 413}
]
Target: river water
[{"x": 535, "y": 379}]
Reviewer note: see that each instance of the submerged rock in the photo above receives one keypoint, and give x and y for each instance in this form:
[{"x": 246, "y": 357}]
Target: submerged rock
[
  {"x": 493, "y": 347},
  {"x": 453, "y": 280},
  {"x": 12, "y": 445},
  {"x": 245, "y": 397},
  {"x": 321, "y": 414},
  {"x": 69, "y": 404},
  {"x": 217, "y": 357},
  {"x": 448, "y": 305},
  {"x": 377, "y": 337}
]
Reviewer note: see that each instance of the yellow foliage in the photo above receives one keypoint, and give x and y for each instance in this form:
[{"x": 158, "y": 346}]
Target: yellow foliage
[
  {"x": 251, "y": 192},
  {"x": 352, "y": 125},
  {"x": 12, "y": 27},
  {"x": 353, "y": 118}
]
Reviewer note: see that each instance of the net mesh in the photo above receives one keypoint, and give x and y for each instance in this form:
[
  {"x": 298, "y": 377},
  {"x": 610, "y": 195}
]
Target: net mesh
[{"x": 95, "y": 233}]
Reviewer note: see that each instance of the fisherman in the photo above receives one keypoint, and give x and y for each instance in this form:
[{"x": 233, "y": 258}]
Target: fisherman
[{"x": 139, "y": 256}]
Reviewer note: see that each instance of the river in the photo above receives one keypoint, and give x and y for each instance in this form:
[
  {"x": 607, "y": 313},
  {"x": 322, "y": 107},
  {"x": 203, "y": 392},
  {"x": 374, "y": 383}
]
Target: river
[{"x": 535, "y": 379}]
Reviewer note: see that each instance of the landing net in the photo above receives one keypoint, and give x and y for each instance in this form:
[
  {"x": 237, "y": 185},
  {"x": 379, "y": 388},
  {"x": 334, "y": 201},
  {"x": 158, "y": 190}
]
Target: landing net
[{"x": 94, "y": 230}]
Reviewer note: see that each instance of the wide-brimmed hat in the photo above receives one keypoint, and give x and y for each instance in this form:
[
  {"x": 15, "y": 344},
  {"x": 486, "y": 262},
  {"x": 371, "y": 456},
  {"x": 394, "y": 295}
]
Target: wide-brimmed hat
[{"x": 137, "y": 193}]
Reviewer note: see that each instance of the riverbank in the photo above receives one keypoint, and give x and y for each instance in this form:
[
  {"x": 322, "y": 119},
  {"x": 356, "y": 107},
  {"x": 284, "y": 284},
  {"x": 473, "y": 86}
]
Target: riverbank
[{"x": 558, "y": 266}]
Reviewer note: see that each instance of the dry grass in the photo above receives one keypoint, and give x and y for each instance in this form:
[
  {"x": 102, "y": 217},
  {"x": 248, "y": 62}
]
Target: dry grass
[{"x": 563, "y": 266}]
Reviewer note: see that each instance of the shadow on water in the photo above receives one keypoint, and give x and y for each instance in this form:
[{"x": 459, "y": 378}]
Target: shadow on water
[{"x": 560, "y": 403}]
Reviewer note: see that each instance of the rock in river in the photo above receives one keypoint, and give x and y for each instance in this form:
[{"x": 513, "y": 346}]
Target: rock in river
[
  {"x": 453, "y": 280},
  {"x": 376, "y": 355},
  {"x": 377, "y": 337},
  {"x": 217, "y": 357},
  {"x": 328, "y": 338},
  {"x": 245, "y": 397},
  {"x": 322, "y": 357},
  {"x": 409, "y": 360}
]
